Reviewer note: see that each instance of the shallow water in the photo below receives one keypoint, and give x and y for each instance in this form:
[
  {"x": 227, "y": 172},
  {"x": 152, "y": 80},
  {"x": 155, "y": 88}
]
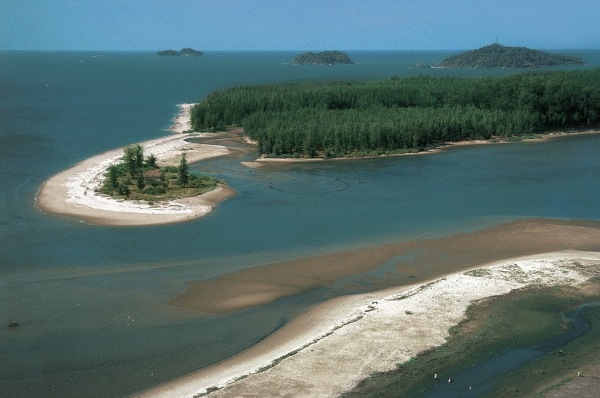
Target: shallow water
[{"x": 91, "y": 301}]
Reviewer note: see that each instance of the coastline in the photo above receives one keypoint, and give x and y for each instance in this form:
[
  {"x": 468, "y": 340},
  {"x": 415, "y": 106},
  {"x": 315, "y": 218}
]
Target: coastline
[
  {"x": 540, "y": 137},
  {"x": 372, "y": 332},
  {"x": 73, "y": 191}
]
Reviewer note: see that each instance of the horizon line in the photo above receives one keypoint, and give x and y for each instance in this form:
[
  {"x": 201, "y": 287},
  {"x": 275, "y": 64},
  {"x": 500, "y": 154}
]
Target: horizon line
[{"x": 270, "y": 50}]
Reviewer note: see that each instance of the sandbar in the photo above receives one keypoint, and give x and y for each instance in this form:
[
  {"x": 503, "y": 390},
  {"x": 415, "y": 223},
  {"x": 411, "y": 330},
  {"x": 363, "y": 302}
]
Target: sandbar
[
  {"x": 73, "y": 191},
  {"x": 412, "y": 262},
  {"x": 335, "y": 345}
]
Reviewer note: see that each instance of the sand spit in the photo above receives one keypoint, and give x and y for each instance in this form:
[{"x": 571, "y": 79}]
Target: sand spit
[
  {"x": 73, "y": 191},
  {"x": 183, "y": 120},
  {"x": 331, "y": 348}
]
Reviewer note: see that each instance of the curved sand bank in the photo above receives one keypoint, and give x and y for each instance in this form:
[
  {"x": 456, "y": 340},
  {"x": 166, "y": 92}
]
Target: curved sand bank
[
  {"x": 408, "y": 262},
  {"x": 73, "y": 191},
  {"x": 331, "y": 348}
]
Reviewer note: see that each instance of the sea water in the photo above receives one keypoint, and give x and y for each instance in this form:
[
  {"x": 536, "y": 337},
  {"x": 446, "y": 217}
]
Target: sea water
[{"x": 91, "y": 300}]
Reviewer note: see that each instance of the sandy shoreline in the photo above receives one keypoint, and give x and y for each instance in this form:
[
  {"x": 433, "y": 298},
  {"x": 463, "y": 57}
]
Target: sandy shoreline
[
  {"x": 73, "y": 191},
  {"x": 340, "y": 342}
]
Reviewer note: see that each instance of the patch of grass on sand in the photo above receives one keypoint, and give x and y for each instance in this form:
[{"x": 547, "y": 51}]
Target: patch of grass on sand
[{"x": 520, "y": 319}]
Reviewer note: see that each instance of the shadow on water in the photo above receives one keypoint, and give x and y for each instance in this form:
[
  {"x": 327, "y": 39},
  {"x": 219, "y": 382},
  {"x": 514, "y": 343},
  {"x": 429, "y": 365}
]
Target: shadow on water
[{"x": 480, "y": 379}]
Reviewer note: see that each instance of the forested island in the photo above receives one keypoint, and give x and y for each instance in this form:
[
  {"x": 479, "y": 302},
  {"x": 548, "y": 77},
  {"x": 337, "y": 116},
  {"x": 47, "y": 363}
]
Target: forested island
[
  {"x": 499, "y": 56},
  {"x": 184, "y": 51},
  {"x": 322, "y": 58},
  {"x": 395, "y": 115}
]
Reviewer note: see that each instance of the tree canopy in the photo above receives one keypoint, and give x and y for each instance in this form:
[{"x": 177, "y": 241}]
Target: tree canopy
[
  {"x": 499, "y": 56},
  {"x": 400, "y": 114},
  {"x": 322, "y": 58},
  {"x": 184, "y": 51}
]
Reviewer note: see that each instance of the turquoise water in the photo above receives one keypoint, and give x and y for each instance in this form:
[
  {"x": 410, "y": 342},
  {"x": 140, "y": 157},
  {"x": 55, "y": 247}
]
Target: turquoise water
[{"x": 91, "y": 300}]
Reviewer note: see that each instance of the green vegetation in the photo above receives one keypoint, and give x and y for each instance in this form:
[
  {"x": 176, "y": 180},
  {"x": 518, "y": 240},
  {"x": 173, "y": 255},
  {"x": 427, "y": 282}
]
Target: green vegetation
[
  {"x": 499, "y": 56},
  {"x": 337, "y": 119},
  {"x": 322, "y": 58},
  {"x": 184, "y": 51},
  {"x": 521, "y": 319},
  {"x": 139, "y": 178}
]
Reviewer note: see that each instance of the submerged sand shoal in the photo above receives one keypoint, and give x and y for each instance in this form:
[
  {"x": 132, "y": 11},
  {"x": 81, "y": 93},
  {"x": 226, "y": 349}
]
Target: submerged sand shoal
[
  {"x": 413, "y": 262},
  {"x": 338, "y": 343},
  {"x": 73, "y": 191}
]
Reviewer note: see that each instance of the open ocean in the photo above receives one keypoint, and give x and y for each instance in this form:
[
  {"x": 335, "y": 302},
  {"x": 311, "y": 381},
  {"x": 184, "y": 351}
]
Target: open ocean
[{"x": 91, "y": 301}]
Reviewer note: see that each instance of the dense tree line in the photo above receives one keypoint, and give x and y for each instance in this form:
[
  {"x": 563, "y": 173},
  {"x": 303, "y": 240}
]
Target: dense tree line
[{"x": 341, "y": 118}]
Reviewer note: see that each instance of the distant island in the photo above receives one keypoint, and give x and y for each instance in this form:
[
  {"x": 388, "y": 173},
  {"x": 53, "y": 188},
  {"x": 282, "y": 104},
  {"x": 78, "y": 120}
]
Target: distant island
[
  {"x": 322, "y": 58},
  {"x": 499, "y": 56},
  {"x": 184, "y": 51}
]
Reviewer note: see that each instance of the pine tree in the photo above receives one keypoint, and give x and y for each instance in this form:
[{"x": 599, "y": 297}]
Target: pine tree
[
  {"x": 140, "y": 181},
  {"x": 184, "y": 175},
  {"x": 112, "y": 173},
  {"x": 133, "y": 156},
  {"x": 151, "y": 161}
]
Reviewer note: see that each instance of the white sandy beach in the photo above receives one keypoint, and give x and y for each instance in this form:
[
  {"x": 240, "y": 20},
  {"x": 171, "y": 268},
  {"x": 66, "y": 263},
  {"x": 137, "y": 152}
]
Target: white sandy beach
[
  {"x": 73, "y": 191},
  {"x": 338, "y": 343}
]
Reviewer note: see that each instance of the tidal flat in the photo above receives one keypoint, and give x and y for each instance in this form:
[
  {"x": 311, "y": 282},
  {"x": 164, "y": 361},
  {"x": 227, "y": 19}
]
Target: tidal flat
[{"x": 494, "y": 327}]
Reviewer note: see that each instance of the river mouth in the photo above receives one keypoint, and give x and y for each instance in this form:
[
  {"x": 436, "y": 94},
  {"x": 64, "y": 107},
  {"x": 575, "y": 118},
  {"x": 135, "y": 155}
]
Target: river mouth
[{"x": 514, "y": 345}]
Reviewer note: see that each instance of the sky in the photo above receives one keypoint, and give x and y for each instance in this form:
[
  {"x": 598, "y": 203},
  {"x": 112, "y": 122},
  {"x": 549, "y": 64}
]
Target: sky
[{"x": 231, "y": 25}]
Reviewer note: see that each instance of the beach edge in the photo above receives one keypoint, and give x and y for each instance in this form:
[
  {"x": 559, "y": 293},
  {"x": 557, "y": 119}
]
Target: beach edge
[
  {"x": 297, "y": 356},
  {"x": 72, "y": 192}
]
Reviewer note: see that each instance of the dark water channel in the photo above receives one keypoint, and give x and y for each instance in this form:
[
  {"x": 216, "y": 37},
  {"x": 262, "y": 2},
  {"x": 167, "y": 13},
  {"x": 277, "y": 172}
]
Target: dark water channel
[{"x": 481, "y": 379}]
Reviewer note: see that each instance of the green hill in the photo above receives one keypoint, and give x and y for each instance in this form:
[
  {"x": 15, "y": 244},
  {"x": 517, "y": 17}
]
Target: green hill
[
  {"x": 322, "y": 58},
  {"x": 499, "y": 56}
]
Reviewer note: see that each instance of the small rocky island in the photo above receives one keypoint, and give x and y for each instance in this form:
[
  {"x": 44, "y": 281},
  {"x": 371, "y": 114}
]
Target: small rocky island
[
  {"x": 499, "y": 56},
  {"x": 322, "y": 58},
  {"x": 186, "y": 52}
]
